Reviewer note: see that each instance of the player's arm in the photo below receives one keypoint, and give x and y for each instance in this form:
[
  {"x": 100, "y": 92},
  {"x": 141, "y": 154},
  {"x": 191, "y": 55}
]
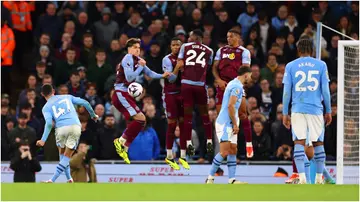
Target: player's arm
[
  {"x": 326, "y": 94},
  {"x": 235, "y": 94},
  {"x": 128, "y": 65},
  {"x": 216, "y": 65},
  {"x": 246, "y": 58},
  {"x": 168, "y": 67},
  {"x": 180, "y": 62},
  {"x": 286, "y": 96},
  {"x": 84, "y": 103},
  {"x": 155, "y": 75},
  {"x": 48, "y": 124}
]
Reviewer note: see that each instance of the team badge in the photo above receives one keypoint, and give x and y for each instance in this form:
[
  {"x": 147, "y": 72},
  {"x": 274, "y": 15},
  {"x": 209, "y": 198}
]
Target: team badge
[{"x": 231, "y": 56}]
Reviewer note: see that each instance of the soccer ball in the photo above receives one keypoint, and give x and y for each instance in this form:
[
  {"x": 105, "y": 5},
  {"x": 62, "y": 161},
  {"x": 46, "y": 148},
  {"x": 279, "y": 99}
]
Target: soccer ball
[{"x": 135, "y": 89}]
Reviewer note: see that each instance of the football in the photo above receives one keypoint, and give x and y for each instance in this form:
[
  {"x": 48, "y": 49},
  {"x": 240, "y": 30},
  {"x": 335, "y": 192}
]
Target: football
[{"x": 135, "y": 89}]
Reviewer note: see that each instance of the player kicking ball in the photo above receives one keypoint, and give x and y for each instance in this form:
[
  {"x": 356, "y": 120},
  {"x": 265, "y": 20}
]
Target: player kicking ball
[
  {"x": 227, "y": 125},
  {"x": 306, "y": 81},
  {"x": 228, "y": 60},
  {"x": 130, "y": 67},
  {"x": 60, "y": 108},
  {"x": 173, "y": 105}
]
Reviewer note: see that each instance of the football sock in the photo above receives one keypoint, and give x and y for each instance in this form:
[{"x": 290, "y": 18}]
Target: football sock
[
  {"x": 319, "y": 159},
  {"x": 299, "y": 156},
  {"x": 207, "y": 126},
  {"x": 64, "y": 162},
  {"x": 170, "y": 136},
  {"x": 132, "y": 131},
  {"x": 67, "y": 170},
  {"x": 215, "y": 164},
  {"x": 231, "y": 163},
  {"x": 307, "y": 169}
]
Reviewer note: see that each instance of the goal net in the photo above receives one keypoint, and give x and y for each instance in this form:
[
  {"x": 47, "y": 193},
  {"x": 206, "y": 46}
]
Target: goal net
[{"x": 347, "y": 151}]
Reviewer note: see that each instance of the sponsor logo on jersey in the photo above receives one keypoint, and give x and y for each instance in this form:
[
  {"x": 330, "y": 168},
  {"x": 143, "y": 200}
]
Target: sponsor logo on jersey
[{"x": 231, "y": 56}]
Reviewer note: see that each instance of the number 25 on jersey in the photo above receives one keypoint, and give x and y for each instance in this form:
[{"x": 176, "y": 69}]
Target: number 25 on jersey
[{"x": 309, "y": 77}]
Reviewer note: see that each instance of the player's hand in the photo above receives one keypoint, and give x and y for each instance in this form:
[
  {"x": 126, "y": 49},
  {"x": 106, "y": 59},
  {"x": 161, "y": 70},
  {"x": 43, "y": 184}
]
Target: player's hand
[
  {"x": 142, "y": 62},
  {"x": 95, "y": 118},
  {"x": 328, "y": 119},
  {"x": 235, "y": 129},
  {"x": 221, "y": 84},
  {"x": 166, "y": 75},
  {"x": 40, "y": 143},
  {"x": 249, "y": 150},
  {"x": 287, "y": 121}
]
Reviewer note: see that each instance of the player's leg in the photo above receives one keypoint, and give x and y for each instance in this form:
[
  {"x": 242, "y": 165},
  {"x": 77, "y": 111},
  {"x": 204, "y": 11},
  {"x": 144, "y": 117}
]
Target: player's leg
[
  {"x": 316, "y": 131},
  {"x": 245, "y": 123},
  {"x": 182, "y": 159},
  {"x": 231, "y": 161},
  {"x": 188, "y": 100},
  {"x": 309, "y": 154},
  {"x": 223, "y": 133},
  {"x": 202, "y": 103},
  {"x": 299, "y": 130},
  {"x": 218, "y": 99},
  {"x": 67, "y": 170},
  {"x": 295, "y": 176},
  {"x": 127, "y": 106}
]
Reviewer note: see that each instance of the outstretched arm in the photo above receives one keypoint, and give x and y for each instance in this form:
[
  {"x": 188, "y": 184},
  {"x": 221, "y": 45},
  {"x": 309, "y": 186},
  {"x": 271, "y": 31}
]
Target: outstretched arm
[
  {"x": 168, "y": 67},
  {"x": 48, "y": 125},
  {"x": 84, "y": 103},
  {"x": 153, "y": 74}
]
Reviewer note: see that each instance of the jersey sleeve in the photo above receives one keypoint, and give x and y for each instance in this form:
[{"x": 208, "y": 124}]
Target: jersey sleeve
[
  {"x": 211, "y": 57},
  {"x": 246, "y": 57},
  {"x": 217, "y": 55},
  {"x": 128, "y": 65},
  {"x": 181, "y": 52},
  {"x": 48, "y": 123},
  {"x": 82, "y": 102},
  {"x": 236, "y": 91},
  {"x": 47, "y": 114},
  {"x": 287, "y": 74},
  {"x": 167, "y": 65}
]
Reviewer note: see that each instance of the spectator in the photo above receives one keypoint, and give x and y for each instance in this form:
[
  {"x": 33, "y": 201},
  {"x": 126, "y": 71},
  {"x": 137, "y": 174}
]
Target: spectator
[
  {"x": 43, "y": 55},
  {"x": 187, "y": 7},
  {"x": 211, "y": 91},
  {"x": 87, "y": 52},
  {"x": 333, "y": 56},
  {"x": 120, "y": 15},
  {"x": 40, "y": 71},
  {"x": 344, "y": 26},
  {"x": 333, "y": 90},
  {"x": 74, "y": 86},
  {"x": 49, "y": 23},
  {"x": 34, "y": 102},
  {"x": 105, "y": 29},
  {"x": 66, "y": 43},
  {"x": 279, "y": 21},
  {"x": 278, "y": 52},
  {"x": 146, "y": 41},
  {"x": 22, "y": 132},
  {"x": 64, "y": 68},
  {"x": 67, "y": 14},
  {"x": 195, "y": 20},
  {"x": 290, "y": 49},
  {"x": 266, "y": 31},
  {"x": 114, "y": 54},
  {"x": 100, "y": 111},
  {"x": 32, "y": 121},
  {"x": 158, "y": 35},
  {"x": 135, "y": 25},
  {"x": 251, "y": 103},
  {"x": 265, "y": 100},
  {"x": 62, "y": 90},
  {"x": 211, "y": 103},
  {"x": 178, "y": 18},
  {"x": 96, "y": 13},
  {"x": 44, "y": 40},
  {"x": 7, "y": 49},
  {"x": 268, "y": 71},
  {"x": 247, "y": 19},
  {"x": 150, "y": 11},
  {"x": 81, "y": 166},
  {"x": 146, "y": 145},
  {"x": 91, "y": 95},
  {"x": 31, "y": 84},
  {"x": 254, "y": 90},
  {"x": 261, "y": 142},
  {"x": 99, "y": 71},
  {"x": 71, "y": 30},
  {"x": 354, "y": 15},
  {"x": 73, "y": 6},
  {"x": 83, "y": 26},
  {"x": 255, "y": 57},
  {"x": 87, "y": 134},
  {"x": 24, "y": 164},
  {"x": 82, "y": 73},
  {"x": 291, "y": 26},
  {"x": 105, "y": 139},
  {"x": 255, "y": 115},
  {"x": 254, "y": 40},
  {"x": 222, "y": 25},
  {"x": 276, "y": 93},
  {"x": 331, "y": 134},
  {"x": 281, "y": 136},
  {"x": 5, "y": 144}
]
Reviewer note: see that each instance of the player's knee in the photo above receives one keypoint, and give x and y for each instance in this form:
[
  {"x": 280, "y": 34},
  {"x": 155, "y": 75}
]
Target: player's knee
[
  {"x": 224, "y": 153},
  {"x": 203, "y": 109},
  {"x": 181, "y": 119},
  {"x": 188, "y": 111},
  {"x": 171, "y": 121},
  {"x": 317, "y": 144},
  {"x": 309, "y": 151},
  {"x": 242, "y": 115},
  {"x": 140, "y": 117},
  {"x": 301, "y": 142},
  {"x": 233, "y": 150}
]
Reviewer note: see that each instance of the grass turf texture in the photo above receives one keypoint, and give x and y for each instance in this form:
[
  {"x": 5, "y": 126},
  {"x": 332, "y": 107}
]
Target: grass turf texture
[{"x": 117, "y": 192}]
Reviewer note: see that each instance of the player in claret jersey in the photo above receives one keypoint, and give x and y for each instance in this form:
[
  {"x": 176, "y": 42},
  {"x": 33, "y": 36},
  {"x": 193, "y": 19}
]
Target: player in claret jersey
[
  {"x": 228, "y": 60},
  {"x": 194, "y": 59},
  {"x": 130, "y": 67},
  {"x": 174, "y": 107}
]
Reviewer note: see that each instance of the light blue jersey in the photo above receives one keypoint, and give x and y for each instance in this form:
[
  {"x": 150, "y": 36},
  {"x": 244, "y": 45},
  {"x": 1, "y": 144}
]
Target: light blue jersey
[
  {"x": 234, "y": 88},
  {"x": 306, "y": 80},
  {"x": 61, "y": 110}
]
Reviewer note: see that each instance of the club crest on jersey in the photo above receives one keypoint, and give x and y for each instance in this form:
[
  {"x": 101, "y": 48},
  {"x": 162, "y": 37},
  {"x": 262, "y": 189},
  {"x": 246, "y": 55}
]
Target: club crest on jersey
[{"x": 231, "y": 56}]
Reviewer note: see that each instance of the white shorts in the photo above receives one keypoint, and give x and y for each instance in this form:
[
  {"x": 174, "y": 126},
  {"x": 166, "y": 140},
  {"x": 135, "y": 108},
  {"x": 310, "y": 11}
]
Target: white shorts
[
  {"x": 224, "y": 133},
  {"x": 68, "y": 136},
  {"x": 307, "y": 127}
]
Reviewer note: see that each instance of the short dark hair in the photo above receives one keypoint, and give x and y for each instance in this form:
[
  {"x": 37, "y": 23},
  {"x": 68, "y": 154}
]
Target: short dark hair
[
  {"x": 198, "y": 33},
  {"x": 74, "y": 73},
  {"x": 25, "y": 105},
  {"x": 46, "y": 89},
  {"x": 234, "y": 31},
  {"x": 40, "y": 64},
  {"x": 22, "y": 116},
  {"x": 132, "y": 41},
  {"x": 87, "y": 35},
  {"x": 109, "y": 115},
  {"x": 100, "y": 50},
  {"x": 70, "y": 49},
  {"x": 243, "y": 70},
  {"x": 175, "y": 39},
  {"x": 29, "y": 90},
  {"x": 305, "y": 45}
]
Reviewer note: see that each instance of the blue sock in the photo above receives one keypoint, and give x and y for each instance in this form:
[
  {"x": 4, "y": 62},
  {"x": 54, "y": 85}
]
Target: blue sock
[
  {"x": 327, "y": 175},
  {"x": 61, "y": 167},
  {"x": 319, "y": 159},
  {"x": 299, "y": 157},
  {"x": 307, "y": 169},
  {"x": 231, "y": 163},
  {"x": 216, "y": 164},
  {"x": 67, "y": 170}
]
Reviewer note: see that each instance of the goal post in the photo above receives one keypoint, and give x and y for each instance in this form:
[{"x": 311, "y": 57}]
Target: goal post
[{"x": 348, "y": 102}]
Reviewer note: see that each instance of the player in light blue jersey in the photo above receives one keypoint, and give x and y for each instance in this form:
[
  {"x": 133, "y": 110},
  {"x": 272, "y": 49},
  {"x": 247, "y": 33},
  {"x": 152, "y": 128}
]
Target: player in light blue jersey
[
  {"x": 61, "y": 110},
  {"x": 306, "y": 81},
  {"x": 227, "y": 125}
]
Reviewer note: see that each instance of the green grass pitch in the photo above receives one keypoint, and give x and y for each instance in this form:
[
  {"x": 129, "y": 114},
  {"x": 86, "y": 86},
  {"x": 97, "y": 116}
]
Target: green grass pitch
[{"x": 117, "y": 192}]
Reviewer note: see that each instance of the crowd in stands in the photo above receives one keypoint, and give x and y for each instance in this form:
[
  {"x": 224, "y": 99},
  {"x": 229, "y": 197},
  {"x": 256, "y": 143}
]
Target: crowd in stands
[{"x": 76, "y": 45}]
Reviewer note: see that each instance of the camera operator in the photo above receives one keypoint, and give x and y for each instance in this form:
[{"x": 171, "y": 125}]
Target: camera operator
[
  {"x": 24, "y": 164},
  {"x": 82, "y": 167}
]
